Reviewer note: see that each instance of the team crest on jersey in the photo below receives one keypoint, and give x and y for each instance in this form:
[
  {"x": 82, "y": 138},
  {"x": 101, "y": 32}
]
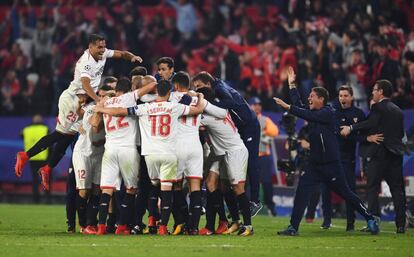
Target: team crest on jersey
[
  {"x": 87, "y": 67},
  {"x": 355, "y": 120}
]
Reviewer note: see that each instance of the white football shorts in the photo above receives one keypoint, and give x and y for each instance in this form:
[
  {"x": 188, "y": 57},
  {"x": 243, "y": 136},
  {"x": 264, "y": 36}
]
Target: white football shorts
[
  {"x": 87, "y": 169},
  {"x": 120, "y": 163}
]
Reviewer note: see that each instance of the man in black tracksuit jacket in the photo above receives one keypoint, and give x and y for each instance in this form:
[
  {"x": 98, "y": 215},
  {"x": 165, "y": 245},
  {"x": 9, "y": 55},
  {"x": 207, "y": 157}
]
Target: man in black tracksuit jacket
[
  {"x": 346, "y": 114},
  {"x": 324, "y": 160}
]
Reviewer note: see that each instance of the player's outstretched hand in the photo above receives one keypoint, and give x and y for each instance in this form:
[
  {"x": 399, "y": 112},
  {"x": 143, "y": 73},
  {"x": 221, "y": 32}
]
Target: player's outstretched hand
[
  {"x": 136, "y": 58},
  {"x": 281, "y": 103},
  {"x": 291, "y": 76}
]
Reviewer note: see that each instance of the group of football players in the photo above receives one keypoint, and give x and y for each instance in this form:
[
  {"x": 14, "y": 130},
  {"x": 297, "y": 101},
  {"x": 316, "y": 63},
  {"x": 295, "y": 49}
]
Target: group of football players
[{"x": 158, "y": 140}]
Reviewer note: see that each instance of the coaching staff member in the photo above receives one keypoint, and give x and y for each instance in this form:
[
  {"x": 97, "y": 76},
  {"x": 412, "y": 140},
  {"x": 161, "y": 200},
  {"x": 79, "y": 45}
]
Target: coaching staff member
[
  {"x": 324, "y": 160},
  {"x": 384, "y": 159}
]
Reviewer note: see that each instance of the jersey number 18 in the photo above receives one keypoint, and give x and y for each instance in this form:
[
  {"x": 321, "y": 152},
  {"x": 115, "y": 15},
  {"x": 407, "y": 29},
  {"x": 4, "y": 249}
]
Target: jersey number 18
[{"x": 164, "y": 126}]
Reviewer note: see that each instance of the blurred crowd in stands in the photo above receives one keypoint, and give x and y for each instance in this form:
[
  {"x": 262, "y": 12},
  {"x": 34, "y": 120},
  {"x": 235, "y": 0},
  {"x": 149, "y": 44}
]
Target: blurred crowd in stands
[{"x": 247, "y": 43}]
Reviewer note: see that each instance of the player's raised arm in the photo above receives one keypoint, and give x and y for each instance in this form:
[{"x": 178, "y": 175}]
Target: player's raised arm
[
  {"x": 86, "y": 85},
  {"x": 82, "y": 100},
  {"x": 127, "y": 56},
  {"x": 146, "y": 89},
  {"x": 200, "y": 106},
  {"x": 118, "y": 111},
  {"x": 211, "y": 109},
  {"x": 215, "y": 111},
  {"x": 96, "y": 122}
]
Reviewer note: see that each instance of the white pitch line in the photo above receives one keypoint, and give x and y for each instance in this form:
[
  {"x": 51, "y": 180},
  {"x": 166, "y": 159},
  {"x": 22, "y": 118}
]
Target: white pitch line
[
  {"x": 333, "y": 226},
  {"x": 202, "y": 246}
]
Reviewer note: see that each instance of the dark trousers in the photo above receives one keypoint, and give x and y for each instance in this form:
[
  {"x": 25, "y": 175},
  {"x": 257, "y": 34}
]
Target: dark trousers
[
  {"x": 333, "y": 176},
  {"x": 349, "y": 172},
  {"x": 326, "y": 204},
  {"x": 313, "y": 203},
  {"x": 266, "y": 173},
  {"x": 250, "y": 135},
  {"x": 35, "y": 166},
  {"x": 71, "y": 194},
  {"x": 387, "y": 167},
  {"x": 144, "y": 187}
]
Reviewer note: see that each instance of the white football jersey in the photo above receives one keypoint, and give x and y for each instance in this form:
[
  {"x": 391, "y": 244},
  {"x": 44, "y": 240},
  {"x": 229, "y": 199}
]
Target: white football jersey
[
  {"x": 223, "y": 133},
  {"x": 88, "y": 67},
  {"x": 84, "y": 142},
  {"x": 188, "y": 125},
  {"x": 134, "y": 97},
  {"x": 121, "y": 131},
  {"x": 158, "y": 123}
]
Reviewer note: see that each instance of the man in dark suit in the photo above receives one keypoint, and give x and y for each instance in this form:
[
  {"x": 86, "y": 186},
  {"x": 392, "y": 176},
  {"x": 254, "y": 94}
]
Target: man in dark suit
[
  {"x": 324, "y": 161},
  {"x": 384, "y": 159}
]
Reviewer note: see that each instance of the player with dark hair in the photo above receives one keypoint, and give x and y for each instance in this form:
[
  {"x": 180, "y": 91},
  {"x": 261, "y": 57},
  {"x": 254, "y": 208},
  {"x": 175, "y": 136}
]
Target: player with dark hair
[
  {"x": 247, "y": 124},
  {"x": 159, "y": 127},
  {"x": 138, "y": 71},
  {"x": 87, "y": 77},
  {"x": 109, "y": 81},
  {"x": 121, "y": 158},
  {"x": 165, "y": 68},
  {"x": 190, "y": 161},
  {"x": 87, "y": 160},
  {"x": 229, "y": 153}
]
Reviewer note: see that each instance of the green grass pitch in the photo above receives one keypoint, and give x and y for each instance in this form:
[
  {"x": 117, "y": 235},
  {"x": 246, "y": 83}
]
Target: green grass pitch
[{"x": 38, "y": 230}]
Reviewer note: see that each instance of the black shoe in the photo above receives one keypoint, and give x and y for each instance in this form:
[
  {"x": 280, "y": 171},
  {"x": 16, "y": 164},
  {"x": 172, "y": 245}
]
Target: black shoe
[
  {"x": 71, "y": 228},
  {"x": 110, "y": 229},
  {"x": 350, "y": 227},
  {"x": 153, "y": 230},
  {"x": 192, "y": 232},
  {"x": 138, "y": 229},
  {"x": 326, "y": 225},
  {"x": 255, "y": 208},
  {"x": 400, "y": 230},
  {"x": 290, "y": 231}
]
